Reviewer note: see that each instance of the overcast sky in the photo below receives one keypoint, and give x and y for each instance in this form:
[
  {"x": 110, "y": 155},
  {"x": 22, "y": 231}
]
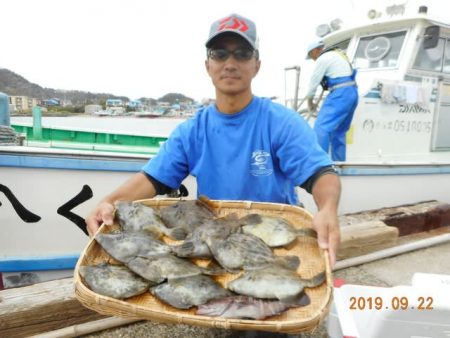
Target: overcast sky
[{"x": 147, "y": 48}]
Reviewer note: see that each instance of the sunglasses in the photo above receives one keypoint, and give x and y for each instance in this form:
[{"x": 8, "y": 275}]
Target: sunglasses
[{"x": 239, "y": 54}]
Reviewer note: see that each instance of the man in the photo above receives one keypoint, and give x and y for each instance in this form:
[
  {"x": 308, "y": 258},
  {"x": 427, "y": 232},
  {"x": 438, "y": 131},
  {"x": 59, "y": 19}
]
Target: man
[
  {"x": 335, "y": 73},
  {"x": 242, "y": 147}
]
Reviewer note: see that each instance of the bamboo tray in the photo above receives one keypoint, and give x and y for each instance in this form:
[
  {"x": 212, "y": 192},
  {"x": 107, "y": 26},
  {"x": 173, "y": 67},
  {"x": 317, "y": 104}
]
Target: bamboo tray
[{"x": 146, "y": 306}]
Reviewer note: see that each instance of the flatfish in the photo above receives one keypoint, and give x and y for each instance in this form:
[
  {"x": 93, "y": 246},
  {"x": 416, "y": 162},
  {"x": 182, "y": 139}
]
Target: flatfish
[
  {"x": 246, "y": 307},
  {"x": 274, "y": 231},
  {"x": 134, "y": 216},
  {"x": 158, "y": 269},
  {"x": 274, "y": 282},
  {"x": 212, "y": 230},
  {"x": 187, "y": 214},
  {"x": 125, "y": 246},
  {"x": 245, "y": 251},
  {"x": 115, "y": 281},
  {"x": 184, "y": 293}
]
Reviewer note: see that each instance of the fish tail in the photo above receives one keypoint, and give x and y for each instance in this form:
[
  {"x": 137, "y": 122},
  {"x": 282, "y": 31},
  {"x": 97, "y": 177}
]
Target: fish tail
[
  {"x": 306, "y": 232},
  {"x": 205, "y": 202},
  {"x": 315, "y": 281},
  {"x": 289, "y": 262},
  {"x": 176, "y": 233},
  {"x": 251, "y": 219},
  {"x": 184, "y": 250},
  {"x": 212, "y": 269},
  {"x": 302, "y": 299}
]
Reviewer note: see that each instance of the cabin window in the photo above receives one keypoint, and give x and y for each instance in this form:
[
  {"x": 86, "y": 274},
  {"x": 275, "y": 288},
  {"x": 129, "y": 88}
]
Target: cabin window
[
  {"x": 447, "y": 57},
  {"x": 431, "y": 59},
  {"x": 341, "y": 45},
  {"x": 379, "y": 51}
]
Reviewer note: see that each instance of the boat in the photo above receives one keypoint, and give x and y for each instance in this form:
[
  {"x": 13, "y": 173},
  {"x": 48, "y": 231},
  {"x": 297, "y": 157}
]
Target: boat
[
  {"x": 156, "y": 112},
  {"x": 112, "y": 111},
  {"x": 47, "y": 193},
  {"x": 149, "y": 114},
  {"x": 63, "y": 160},
  {"x": 398, "y": 145},
  {"x": 107, "y": 134},
  {"x": 398, "y": 150}
]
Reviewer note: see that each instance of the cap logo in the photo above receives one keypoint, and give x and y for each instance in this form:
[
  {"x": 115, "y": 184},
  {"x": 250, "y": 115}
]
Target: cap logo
[{"x": 232, "y": 23}]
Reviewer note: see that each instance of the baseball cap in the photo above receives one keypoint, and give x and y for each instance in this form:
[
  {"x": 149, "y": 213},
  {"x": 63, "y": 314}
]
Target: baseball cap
[
  {"x": 313, "y": 45},
  {"x": 237, "y": 24}
]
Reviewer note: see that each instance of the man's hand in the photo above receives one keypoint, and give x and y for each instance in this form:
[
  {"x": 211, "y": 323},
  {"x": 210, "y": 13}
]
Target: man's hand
[
  {"x": 137, "y": 187},
  {"x": 311, "y": 105},
  {"x": 103, "y": 213},
  {"x": 326, "y": 192},
  {"x": 326, "y": 224}
]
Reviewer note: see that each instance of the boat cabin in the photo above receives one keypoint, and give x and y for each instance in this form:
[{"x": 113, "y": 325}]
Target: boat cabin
[{"x": 403, "y": 78}]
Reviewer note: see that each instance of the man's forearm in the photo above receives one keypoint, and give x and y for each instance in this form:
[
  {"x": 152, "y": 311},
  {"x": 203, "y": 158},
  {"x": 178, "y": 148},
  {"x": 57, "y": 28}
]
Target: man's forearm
[
  {"x": 327, "y": 191},
  {"x": 136, "y": 188}
]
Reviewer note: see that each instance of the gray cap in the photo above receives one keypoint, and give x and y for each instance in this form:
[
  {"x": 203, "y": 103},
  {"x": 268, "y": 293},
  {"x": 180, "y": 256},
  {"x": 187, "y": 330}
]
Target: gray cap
[
  {"x": 237, "y": 24},
  {"x": 314, "y": 45}
]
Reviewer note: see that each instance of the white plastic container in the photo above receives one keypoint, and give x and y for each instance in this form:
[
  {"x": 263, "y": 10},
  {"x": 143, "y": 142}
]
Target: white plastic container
[
  {"x": 421, "y": 310},
  {"x": 333, "y": 324}
]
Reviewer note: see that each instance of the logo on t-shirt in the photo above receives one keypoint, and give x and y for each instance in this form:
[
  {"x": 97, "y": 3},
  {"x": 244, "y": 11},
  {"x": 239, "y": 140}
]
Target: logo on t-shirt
[{"x": 261, "y": 164}]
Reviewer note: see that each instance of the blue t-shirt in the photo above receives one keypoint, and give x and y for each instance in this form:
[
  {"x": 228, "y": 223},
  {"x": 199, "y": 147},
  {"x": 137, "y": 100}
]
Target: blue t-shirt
[{"x": 260, "y": 153}]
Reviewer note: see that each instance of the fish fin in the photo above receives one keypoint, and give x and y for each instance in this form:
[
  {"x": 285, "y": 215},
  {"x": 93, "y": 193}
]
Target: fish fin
[
  {"x": 288, "y": 262},
  {"x": 251, "y": 219},
  {"x": 302, "y": 299},
  {"x": 177, "y": 233},
  {"x": 212, "y": 269},
  {"x": 255, "y": 267},
  {"x": 314, "y": 281},
  {"x": 306, "y": 232},
  {"x": 155, "y": 232},
  {"x": 229, "y": 270},
  {"x": 205, "y": 202},
  {"x": 230, "y": 217},
  {"x": 184, "y": 250}
]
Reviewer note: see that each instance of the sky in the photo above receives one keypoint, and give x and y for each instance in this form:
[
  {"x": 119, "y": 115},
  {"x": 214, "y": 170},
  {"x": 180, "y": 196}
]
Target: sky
[{"x": 148, "y": 48}]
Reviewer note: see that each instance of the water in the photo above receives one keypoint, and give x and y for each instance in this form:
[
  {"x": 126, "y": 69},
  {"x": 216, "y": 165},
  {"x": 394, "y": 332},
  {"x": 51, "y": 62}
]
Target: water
[{"x": 160, "y": 127}]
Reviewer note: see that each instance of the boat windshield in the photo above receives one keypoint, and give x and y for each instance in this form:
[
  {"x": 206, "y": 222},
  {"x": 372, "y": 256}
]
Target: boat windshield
[
  {"x": 379, "y": 51},
  {"x": 435, "y": 59},
  {"x": 343, "y": 45}
]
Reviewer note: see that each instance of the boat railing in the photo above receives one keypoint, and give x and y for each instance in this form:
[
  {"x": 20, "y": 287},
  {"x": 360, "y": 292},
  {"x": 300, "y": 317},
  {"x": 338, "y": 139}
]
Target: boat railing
[{"x": 299, "y": 104}]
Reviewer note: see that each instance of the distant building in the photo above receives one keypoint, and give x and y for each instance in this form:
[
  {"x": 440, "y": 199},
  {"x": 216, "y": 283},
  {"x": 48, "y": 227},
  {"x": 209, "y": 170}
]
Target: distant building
[
  {"x": 114, "y": 103},
  {"x": 53, "y": 102},
  {"x": 22, "y": 103},
  {"x": 135, "y": 104},
  {"x": 92, "y": 108}
]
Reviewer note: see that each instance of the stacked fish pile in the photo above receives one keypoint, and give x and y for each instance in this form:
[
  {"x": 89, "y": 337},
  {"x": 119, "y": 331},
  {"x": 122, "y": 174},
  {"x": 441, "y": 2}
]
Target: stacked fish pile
[
  {"x": 8, "y": 136},
  {"x": 265, "y": 284}
]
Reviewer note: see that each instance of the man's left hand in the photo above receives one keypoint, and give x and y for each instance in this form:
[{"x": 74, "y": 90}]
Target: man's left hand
[{"x": 326, "y": 224}]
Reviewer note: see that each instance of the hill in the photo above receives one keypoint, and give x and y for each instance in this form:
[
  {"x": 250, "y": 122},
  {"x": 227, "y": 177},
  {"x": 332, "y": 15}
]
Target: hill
[
  {"x": 15, "y": 85},
  {"x": 175, "y": 98}
]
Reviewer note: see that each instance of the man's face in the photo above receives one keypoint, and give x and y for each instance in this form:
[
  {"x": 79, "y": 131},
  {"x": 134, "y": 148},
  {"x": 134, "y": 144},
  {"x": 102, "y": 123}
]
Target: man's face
[
  {"x": 315, "y": 53},
  {"x": 232, "y": 74}
]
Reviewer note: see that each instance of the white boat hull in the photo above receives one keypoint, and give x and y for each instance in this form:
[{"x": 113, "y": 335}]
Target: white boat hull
[
  {"x": 377, "y": 186},
  {"x": 45, "y": 181}
]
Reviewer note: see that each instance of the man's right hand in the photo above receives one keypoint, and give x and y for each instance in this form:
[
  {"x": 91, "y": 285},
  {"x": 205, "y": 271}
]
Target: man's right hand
[
  {"x": 103, "y": 213},
  {"x": 137, "y": 187},
  {"x": 311, "y": 105}
]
